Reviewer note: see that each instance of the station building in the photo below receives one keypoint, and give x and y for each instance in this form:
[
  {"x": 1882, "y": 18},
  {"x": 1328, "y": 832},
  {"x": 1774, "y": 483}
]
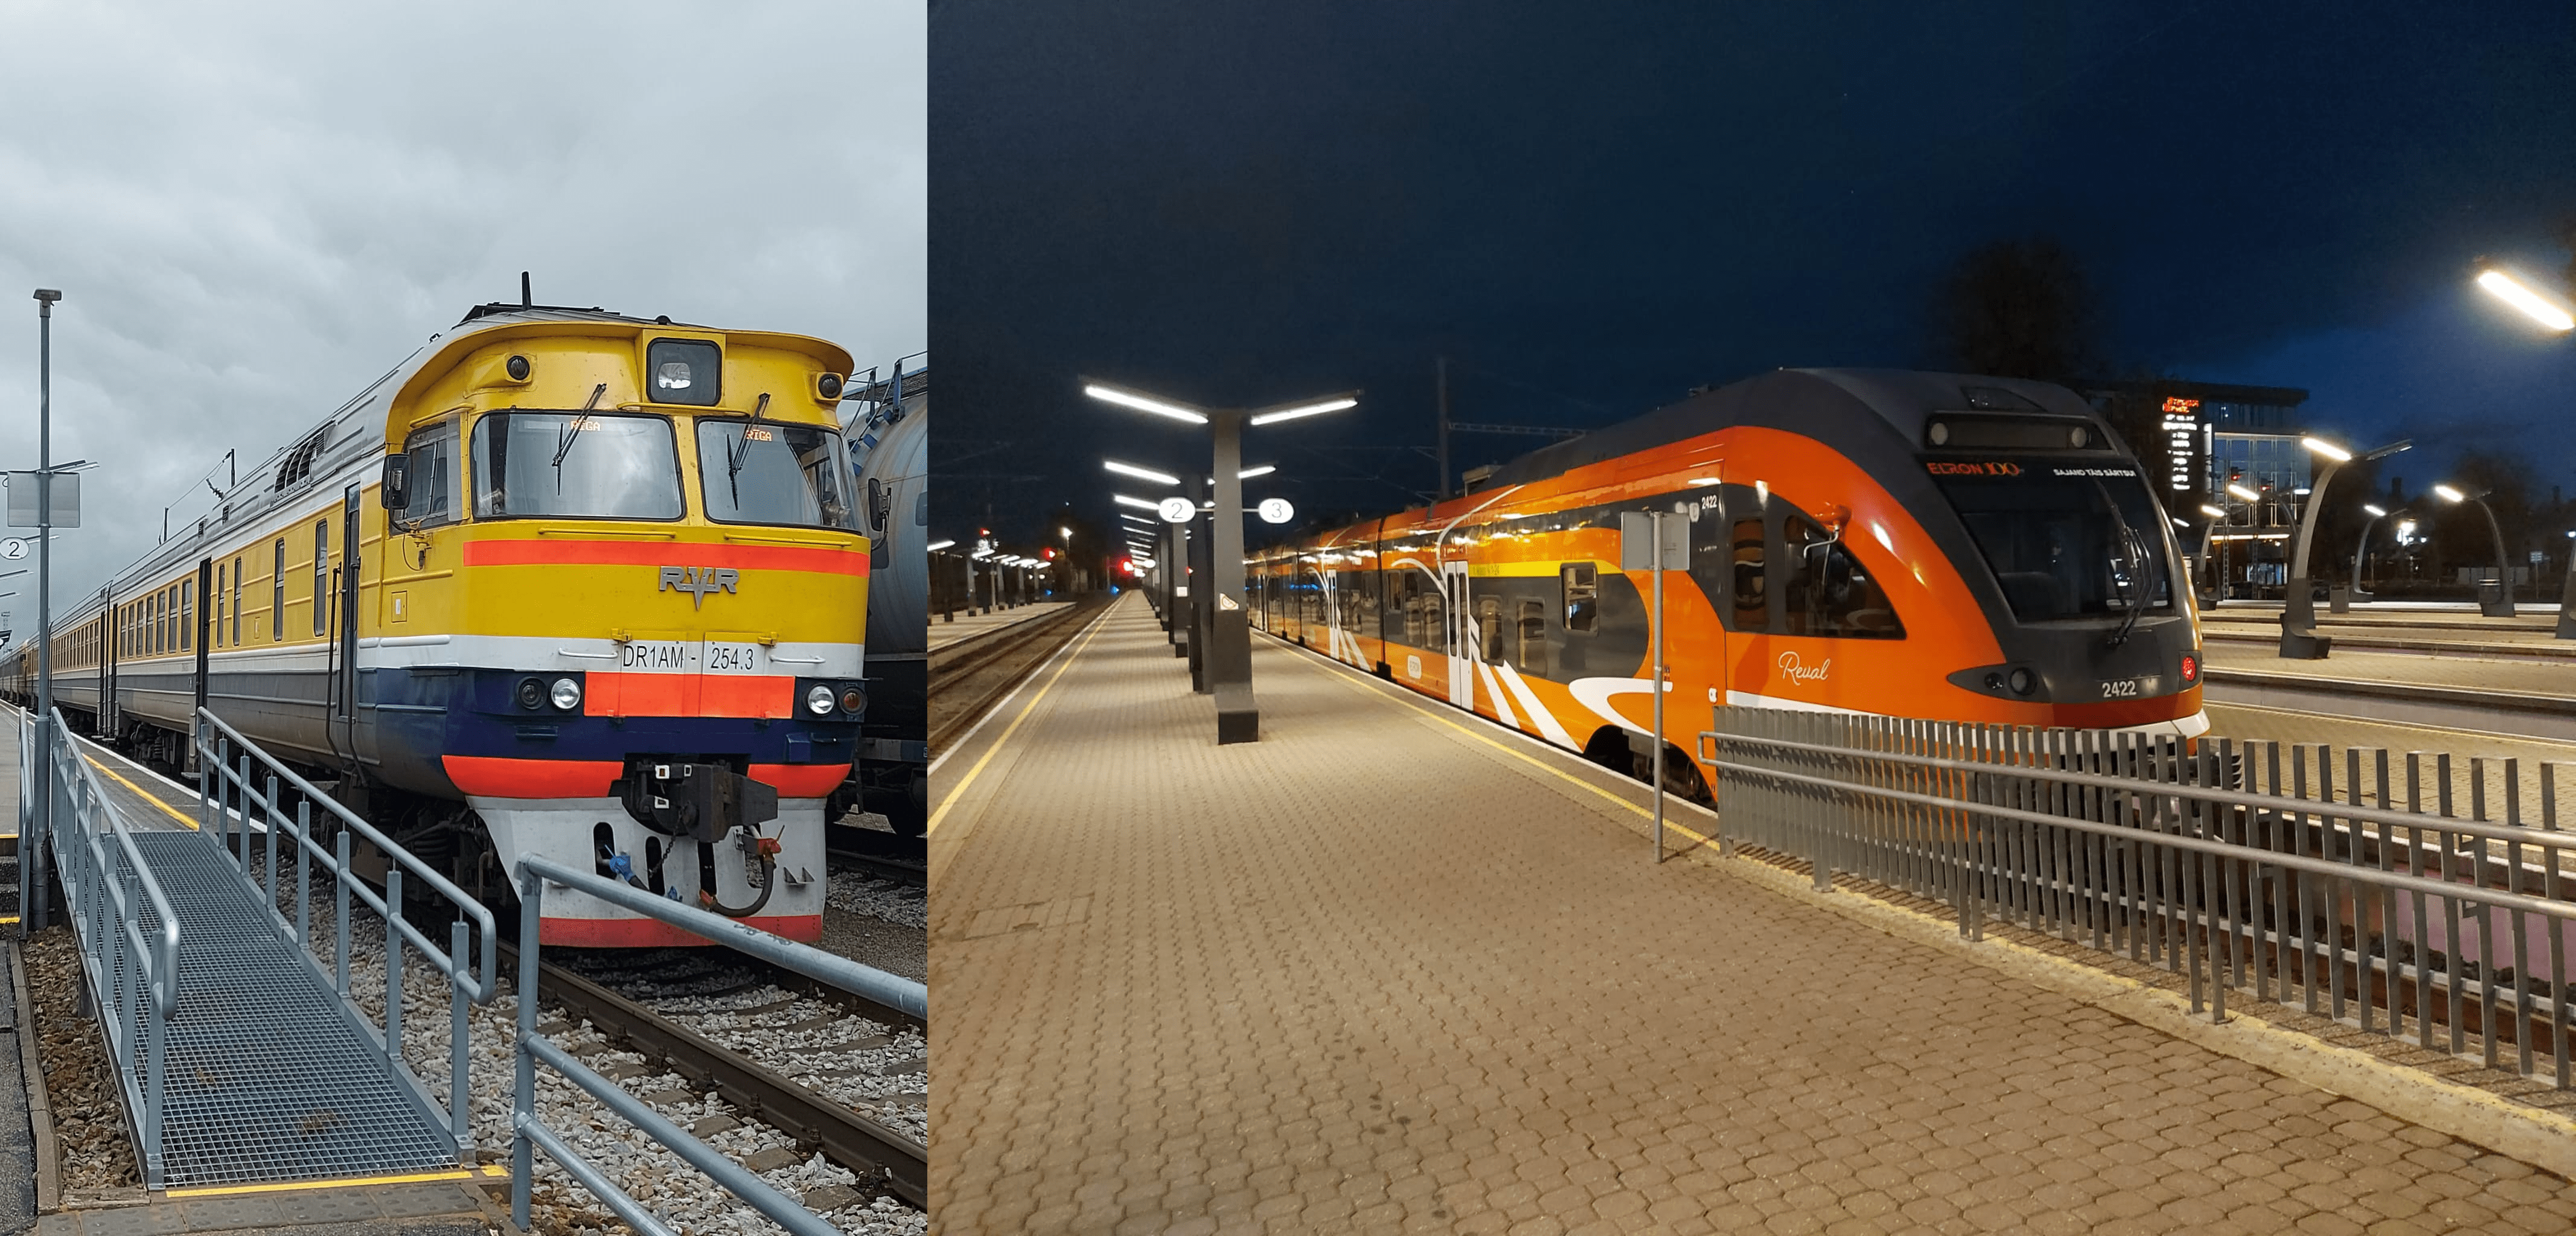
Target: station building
[{"x": 2197, "y": 440}]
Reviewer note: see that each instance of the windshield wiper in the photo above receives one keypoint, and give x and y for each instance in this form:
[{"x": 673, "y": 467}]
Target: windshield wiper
[
  {"x": 572, "y": 432},
  {"x": 2136, "y": 561},
  {"x": 740, "y": 451}
]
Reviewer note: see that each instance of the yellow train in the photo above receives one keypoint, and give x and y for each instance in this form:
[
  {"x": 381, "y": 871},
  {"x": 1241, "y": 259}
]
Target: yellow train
[{"x": 563, "y": 582}]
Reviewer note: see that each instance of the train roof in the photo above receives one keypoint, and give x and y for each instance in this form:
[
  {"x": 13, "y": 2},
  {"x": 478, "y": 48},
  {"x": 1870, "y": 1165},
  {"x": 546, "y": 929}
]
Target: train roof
[
  {"x": 1809, "y": 401},
  {"x": 357, "y": 426}
]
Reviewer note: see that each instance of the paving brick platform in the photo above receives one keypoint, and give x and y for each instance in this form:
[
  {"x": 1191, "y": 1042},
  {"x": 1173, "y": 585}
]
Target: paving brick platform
[{"x": 1376, "y": 973}]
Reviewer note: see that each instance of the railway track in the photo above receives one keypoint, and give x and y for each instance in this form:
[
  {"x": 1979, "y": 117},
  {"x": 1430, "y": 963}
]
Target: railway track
[
  {"x": 892, "y": 1157},
  {"x": 968, "y": 677}
]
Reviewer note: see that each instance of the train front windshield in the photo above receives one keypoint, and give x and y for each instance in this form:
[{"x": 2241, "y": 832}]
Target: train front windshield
[{"x": 2064, "y": 541}]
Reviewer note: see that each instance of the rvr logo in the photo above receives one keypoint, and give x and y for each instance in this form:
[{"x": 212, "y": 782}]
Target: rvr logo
[{"x": 698, "y": 582}]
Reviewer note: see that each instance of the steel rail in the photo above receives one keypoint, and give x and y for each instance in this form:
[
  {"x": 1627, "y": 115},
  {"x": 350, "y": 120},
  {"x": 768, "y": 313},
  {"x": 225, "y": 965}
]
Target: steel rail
[
  {"x": 985, "y": 650},
  {"x": 847, "y": 1137}
]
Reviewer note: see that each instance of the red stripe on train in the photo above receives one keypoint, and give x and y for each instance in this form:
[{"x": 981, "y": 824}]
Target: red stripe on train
[
  {"x": 494, "y": 776},
  {"x": 666, "y": 553}
]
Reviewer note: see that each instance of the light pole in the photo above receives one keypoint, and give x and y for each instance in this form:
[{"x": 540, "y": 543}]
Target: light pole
[
  {"x": 2299, "y": 638},
  {"x": 2550, "y": 315},
  {"x": 2249, "y": 500},
  {"x": 2501, "y": 605},
  {"x": 32, "y": 912},
  {"x": 2376, "y": 514},
  {"x": 1229, "y": 661}
]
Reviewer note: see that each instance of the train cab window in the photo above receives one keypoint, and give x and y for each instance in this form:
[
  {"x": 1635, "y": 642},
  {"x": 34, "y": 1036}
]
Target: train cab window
[
  {"x": 775, "y": 473},
  {"x": 2065, "y": 547},
  {"x": 1825, "y": 589},
  {"x": 321, "y": 576},
  {"x": 1581, "y": 584},
  {"x": 433, "y": 489},
  {"x": 1531, "y": 628},
  {"x": 277, "y": 595},
  {"x": 1746, "y": 584},
  {"x": 597, "y": 465}
]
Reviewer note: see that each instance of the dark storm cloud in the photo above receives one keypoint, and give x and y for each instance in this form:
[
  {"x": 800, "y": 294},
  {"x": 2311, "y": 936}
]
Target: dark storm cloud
[
  {"x": 1240, "y": 203},
  {"x": 255, "y": 209}
]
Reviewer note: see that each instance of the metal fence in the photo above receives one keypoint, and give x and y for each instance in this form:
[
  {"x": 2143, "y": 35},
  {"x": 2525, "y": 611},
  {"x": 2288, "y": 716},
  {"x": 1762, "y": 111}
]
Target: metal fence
[
  {"x": 230, "y": 805},
  {"x": 2306, "y": 875},
  {"x": 536, "y": 875},
  {"x": 129, "y": 935}
]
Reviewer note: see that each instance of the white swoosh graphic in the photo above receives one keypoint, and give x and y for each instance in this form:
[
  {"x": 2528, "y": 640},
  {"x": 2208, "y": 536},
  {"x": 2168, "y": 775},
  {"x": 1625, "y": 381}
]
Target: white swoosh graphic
[{"x": 1538, "y": 713}]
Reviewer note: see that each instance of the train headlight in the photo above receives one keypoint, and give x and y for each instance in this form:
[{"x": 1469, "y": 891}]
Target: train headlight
[
  {"x": 819, "y": 700},
  {"x": 853, "y": 700},
  {"x": 566, "y": 694},
  {"x": 2078, "y": 436},
  {"x": 2021, "y": 680},
  {"x": 684, "y": 371},
  {"x": 1940, "y": 436},
  {"x": 531, "y": 694},
  {"x": 828, "y": 386},
  {"x": 517, "y": 367}
]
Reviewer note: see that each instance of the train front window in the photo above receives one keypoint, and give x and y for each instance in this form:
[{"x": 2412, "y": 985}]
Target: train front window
[
  {"x": 599, "y": 465},
  {"x": 2063, "y": 541},
  {"x": 773, "y": 472}
]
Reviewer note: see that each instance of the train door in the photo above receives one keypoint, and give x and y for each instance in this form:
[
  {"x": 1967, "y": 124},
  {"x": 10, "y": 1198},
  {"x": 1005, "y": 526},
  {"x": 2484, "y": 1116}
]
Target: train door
[
  {"x": 204, "y": 629},
  {"x": 1461, "y": 633},
  {"x": 112, "y": 627},
  {"x": 344, "y": 687}
]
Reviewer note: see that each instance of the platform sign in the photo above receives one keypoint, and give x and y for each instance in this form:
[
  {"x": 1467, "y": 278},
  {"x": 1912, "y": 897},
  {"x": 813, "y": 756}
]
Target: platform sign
[
  {"x": 1637, "y": 542},
  {"x": 22, "y": 500},
  {"x": 13, "y": 549},
  {"x": 1176, "y": 510},
  {"x": 1276, "y": 511}
]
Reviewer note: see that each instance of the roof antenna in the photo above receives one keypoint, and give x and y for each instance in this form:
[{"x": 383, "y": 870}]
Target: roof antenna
[{"x": 525, "y": 301}]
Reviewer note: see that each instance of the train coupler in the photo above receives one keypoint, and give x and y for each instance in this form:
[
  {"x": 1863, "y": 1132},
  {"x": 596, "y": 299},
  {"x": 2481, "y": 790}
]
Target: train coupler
[{"x": 704, "y": 801}]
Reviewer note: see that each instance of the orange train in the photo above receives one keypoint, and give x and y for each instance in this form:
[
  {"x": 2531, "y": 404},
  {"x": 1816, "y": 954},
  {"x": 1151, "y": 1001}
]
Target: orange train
[{"x": 1865, "y": 541}]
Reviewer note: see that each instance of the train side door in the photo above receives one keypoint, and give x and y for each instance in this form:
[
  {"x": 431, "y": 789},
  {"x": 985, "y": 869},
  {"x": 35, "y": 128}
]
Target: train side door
[
  {"x": 344, "y": 703},
  {"x": 1461, "y": 633},
  {"x": 107, "y": 652}
]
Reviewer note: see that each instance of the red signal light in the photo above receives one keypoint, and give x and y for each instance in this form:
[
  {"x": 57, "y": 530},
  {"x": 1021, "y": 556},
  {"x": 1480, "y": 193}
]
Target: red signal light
[{"x": 2190, "y": 669}]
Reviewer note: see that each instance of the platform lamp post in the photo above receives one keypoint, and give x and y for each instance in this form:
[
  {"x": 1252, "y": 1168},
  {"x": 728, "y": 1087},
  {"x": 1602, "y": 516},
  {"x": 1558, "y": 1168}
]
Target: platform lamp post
[
  {"x": 2376, "y": 513},
  {"x": 2557, "y": 320},
  {"x": 2246, "y": 498},
  {"x": 2500, "y": 605},
  {"x": 2299, "y": 638},
  {"x": 1238, "y": 717},
  {"x": 32, "y": 909}
]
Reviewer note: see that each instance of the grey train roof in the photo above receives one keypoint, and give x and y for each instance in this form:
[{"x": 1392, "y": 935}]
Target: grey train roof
[
  {"x": 355, "y": 429},
  {"x": 1793, "y": 399}
]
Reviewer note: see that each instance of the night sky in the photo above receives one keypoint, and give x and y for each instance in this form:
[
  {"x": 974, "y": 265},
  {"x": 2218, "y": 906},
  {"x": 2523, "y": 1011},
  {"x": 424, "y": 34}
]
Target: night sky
[{"x": 1593, "y": 209}]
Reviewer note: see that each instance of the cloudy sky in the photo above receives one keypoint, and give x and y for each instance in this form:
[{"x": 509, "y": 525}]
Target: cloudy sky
[
  {"x": 1239, "y": 202},
  {"x": 255, "y": 209}
]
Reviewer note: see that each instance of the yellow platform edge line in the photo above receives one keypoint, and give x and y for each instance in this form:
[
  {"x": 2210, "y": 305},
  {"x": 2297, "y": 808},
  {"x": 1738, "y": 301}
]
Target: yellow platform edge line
[
  {"x": 959, "y": 790},
  {"x": 485, "y": 1172},
  {"x": 148, "y": 796}
]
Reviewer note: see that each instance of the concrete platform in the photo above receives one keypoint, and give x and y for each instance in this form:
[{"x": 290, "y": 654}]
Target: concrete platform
[
  {"x": 968, "y": 626},
  {"x": 453, "y": 1206},
  {"x": 1392, "y": 969}
]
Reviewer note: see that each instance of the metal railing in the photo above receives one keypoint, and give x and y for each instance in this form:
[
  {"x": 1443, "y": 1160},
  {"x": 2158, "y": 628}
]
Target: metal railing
[
  {"x": 129, "y": 934},
  {"x": 535, "y": 875},
  {"x": 226, "y": 799},
  {"x": 2198, "y": 858}
]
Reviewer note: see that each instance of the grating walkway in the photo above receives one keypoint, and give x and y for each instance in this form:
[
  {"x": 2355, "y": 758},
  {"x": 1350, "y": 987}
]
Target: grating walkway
[{"x": 269, "y": 1077}]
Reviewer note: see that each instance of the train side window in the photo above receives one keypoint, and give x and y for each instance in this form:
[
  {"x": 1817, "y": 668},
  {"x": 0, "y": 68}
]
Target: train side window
[
  {"x": 1581, "y": 582},
  {"x": 277, "y": 595},
  {"x": 1826, "y": 590},
  {"x": 432, "y": 489},
  {"x": 187, "y": 615},
  {"x": 1489, "y": 629},
  {"x": 1752, "y": 598},
  {"x": 1532, "y": 630},
  {"x": 237, "y": 587},
  {"x": 321, "y": 576},
  {"x": 218, "y": 601}
]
